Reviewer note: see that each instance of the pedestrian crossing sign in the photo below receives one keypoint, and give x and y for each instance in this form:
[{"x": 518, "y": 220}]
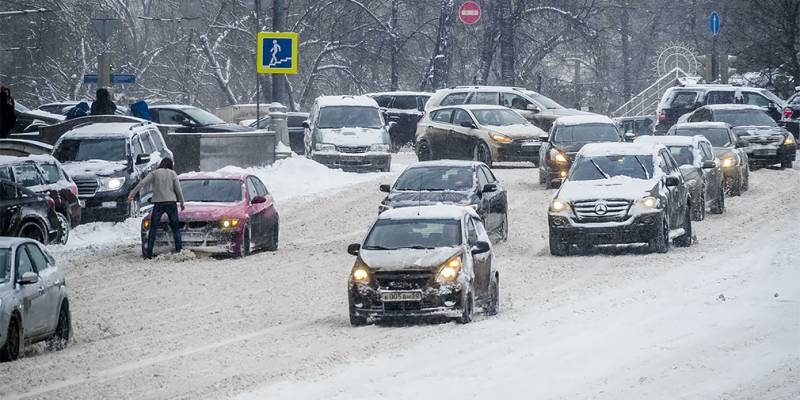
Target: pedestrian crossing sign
[{"x": 276, "y": 53}]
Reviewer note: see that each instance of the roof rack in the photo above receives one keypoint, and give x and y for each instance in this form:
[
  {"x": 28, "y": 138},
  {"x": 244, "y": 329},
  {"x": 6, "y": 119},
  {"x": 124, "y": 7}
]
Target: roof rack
[{"x": 138, "y": 124}]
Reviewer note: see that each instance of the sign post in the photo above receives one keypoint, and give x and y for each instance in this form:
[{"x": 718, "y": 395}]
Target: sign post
[
  {"x": 713, "y": 26},
  {"x": 469, "y": 12}
]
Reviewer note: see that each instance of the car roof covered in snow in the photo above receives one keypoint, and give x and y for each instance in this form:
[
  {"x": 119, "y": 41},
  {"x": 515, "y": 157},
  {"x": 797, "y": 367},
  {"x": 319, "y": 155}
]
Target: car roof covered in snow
[
  {"x": 221, "y": 174},
  {"x": 733, "y": 107},
  {"x": 5, "y": 160},
  {"x": 670, "y": 140},
  {"x": 619, "y": 149},
  {"x": 399, "y": 93},
  {"x": 584, "y": 119},
  {"x": 104, "y": 129},
  {"x": 346, "y": 101},
  {"x": 7, "y": 242},
  {"x": 446, "y": 163},
  {"x": 689, "y": 125},
  {"x": 171, "y": 106},
  {"x": 442, "y": 211}
]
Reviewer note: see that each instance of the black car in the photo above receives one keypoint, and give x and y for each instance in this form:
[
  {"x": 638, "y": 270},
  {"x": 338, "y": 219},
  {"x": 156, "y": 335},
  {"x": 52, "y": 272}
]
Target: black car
[
  {"x": 25, "y": 213},
  {"x": 466, "y": 183},
  {"x": 762, "y": 139},
  {"x": 192, "y": 118},
  {"x": 405, "y": 109},
  {"x": 791, "y": 114},
  {"x": 294, "y": 122},
  {"x": 30, "y": 120},
  {"x": 567, "y": 136}
]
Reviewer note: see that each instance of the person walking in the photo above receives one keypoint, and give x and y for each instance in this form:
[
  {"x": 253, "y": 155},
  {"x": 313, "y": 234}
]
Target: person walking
[
  {"x": 8, "y": 117},
  {"x": 102, "y": 103},
  {"x": 166, "y": 194}
]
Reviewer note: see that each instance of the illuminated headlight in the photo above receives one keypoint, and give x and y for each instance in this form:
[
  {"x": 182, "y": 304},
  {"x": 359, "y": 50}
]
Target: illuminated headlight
[
  {"x": 109, "y": 184},
  {"x": 728, "y": 162},
  {"x": 228, "y": 223},
  {"x": 789, "y": 140},
  {"x": 649, "y": 202},
  {"x": 559, "y": 206},
  {"x": 146, "y": 224},
  {"x": 380, "y": 148},
  {"x": 556, "y": 156},
  {"x": 360, "y": 273},
  {"x": 500, "y": 138},
  {"x": 449, "y": 270},
  {"x": 325, "y": 147}
]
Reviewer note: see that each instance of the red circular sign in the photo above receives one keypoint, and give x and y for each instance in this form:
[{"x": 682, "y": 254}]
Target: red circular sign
[{"x": 469, "y": 12}]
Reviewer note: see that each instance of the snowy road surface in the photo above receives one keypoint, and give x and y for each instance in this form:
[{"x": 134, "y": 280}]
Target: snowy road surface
[{"x": 719, "y": 320}]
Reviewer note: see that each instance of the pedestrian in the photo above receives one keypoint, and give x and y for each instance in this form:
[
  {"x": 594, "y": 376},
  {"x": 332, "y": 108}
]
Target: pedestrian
[
  {"x": 8, "y": 117},
  {"x": 102, "y": 103},
  {"x": 166, "y": 194}
]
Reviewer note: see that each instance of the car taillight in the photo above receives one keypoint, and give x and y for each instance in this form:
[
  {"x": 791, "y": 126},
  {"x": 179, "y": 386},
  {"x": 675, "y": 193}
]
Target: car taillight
[
  {"x": 51, "y": 202},
  {"x": 74, "y": 189},
  {"x": 662, "y": 116},
  {"x": 787, "y": 112}
]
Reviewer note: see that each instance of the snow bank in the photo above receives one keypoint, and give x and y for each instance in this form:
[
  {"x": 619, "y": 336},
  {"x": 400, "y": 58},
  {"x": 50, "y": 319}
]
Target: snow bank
[{"x": 99, "y": 235}]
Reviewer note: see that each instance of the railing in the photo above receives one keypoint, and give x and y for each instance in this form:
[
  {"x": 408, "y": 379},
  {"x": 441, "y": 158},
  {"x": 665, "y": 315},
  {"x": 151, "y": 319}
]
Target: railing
[{"x": 647, "y": 100}]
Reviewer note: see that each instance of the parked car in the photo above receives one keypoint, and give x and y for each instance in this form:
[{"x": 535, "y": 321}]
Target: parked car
[
  {"x": 791, "y": 114},
  {"x": 465, "y": 183},
  {"x": 348, "y": 132},
  {"x": 30, "y": 120},
  {"x": 294, "y": 121},
  {"x": 106, "y": 160},
  {"x": 765, "y": 142},
  {"x": 701, "y": 170},
  {"x": 640, "y": 125},
  {"x": 733, "y": 159},
  {"x": 405, "y": 109},
  {"x": 567, "y": 136},
  {"x": 192, "y": 118},
  {"x": 34, "y": 305},
  {"x": 226, "y": 213},
  {"x": 25, "y": 213},
  {"x": 428, "y": 261},
  {"x": 536, "y": 108},
  {"x": 44, "y": 174},
  {"x": 477, "y": 132},
  {"x": 60, "y": 107},
  {"x": 621, "y": 193},
  {"x": 680, "y": 100}
]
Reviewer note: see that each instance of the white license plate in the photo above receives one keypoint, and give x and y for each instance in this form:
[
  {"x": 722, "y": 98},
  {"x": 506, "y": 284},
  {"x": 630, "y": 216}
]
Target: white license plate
[
  {"x": 765, "y": 152},
  {"x": 397, "y": 295},
  {"x": 193, "y": 237},
  {"x": 351, "y": 158},
  {"x": 109, "y": 204},
  {"x": 531, "y": 144}
]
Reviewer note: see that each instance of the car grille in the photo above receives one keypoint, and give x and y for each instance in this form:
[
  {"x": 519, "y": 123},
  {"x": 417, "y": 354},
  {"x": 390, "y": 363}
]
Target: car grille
[
  {"x": 601, "y": 210},
  {"x": 352, "y": 149},
  {"x": 86, "y": 186},
  {"x": 402, "y": 306},
  {"x": 762, "y": 140},
  {"x": 403, "y": 280}
]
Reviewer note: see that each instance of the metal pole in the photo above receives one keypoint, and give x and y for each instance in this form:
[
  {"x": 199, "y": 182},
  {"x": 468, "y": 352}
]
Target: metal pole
[
  {"x": 714, "y": 59},
  {"x": 103, "y": 70},
  {"x": 278, "y": 25},
  {"x": 258, "y": 76}
]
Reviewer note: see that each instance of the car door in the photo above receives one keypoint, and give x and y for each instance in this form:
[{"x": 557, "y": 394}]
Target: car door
[
  {"x": 34, "y": 302},
  {"x": 497, "y": 200},
  {"x": 713, "y": 177},
  {"x": 266, "y": 213},
  {"x": 481, "y": 263},
  {"x": 438, "y": 131},
  {"x": 256, "y": 213},
  {"x": 9, "y": 209},
  {"x": 678, "y": 194},
  {"x": 50, "y": 282},
  {"x": 461, "y": 140},
  {"x": 484, "y": 207}
]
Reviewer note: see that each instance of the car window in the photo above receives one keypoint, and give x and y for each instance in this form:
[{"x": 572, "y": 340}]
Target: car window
[
  {"x": 5, "y": 173},
  {"x": 512, "y": 100},
  {"x": 489, "y": 174},
  {"x": 442, "y": 116},
  {"x": 744, "y": 118},
  {"x": 27, "y": 175},
  {"x": 405, "y": 102},
  {"x": 482, "y": 178},
  {"x": 720, "y": 97},
  {"x": 586, "y": 133},
  {"x": 8, "y": 191},
  {"x": 157, "y": 139},
  {"x": 383, "y": 101},
  {"x": 24, "y": 263},
  {"x": 755, "y": 99},
  {"x": 662, "y": 163},
  {"x": 607, "y": 167},
  {"x": 421, "y": 102},
  {"x": 212, "y": 190},
  {"x": 454, "y": 98},
  {"x": 335, "y": 117},
  {"x": 147, "y": 144},
  {"x": 108, "y": 149},
  {"x": 137, "y": 146},
  {"x": 5, "y": 265},
  {"x": 484, "y": 98},
  {"x": 296, "y": 121},
  {"x": 37, "y": 257},
  {"x": 261, "y": 190},
  {"x": 52, "y": 173},
  {"x": 461, "y": 116},
  {"x": 170, "y": 116},
  {"x": 251, "y": 188},
  {"x": 683, "y": 99},
  {"x": 390, "y": 234},
  {"x": 671, "y": 166},
  {"x": 683, "y": 155},
  {"x": 472, "y": 233},
  {"x": 706, "y": 151}
]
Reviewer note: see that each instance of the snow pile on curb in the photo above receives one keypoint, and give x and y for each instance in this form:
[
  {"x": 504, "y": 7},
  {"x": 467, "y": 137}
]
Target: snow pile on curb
[{"x": 96, "y": 235}]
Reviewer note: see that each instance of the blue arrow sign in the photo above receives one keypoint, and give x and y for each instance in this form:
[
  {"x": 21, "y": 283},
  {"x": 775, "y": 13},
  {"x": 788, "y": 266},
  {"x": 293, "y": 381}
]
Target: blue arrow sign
[
  {"x": 89, "y": 78},
  {"x": 714, "y": 22}
]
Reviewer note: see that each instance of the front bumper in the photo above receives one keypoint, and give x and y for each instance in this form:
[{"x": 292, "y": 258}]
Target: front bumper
[
  {"x": 444, "y": 301},
  {"x": 774, "y": 155},
  {"x": 519, "y": 150},
  {"x": 635, "y": 229},
  {"x": 201, "y": 236},
  {"x": 105, "y": 206},
  {"x": 354, "y": 161}
]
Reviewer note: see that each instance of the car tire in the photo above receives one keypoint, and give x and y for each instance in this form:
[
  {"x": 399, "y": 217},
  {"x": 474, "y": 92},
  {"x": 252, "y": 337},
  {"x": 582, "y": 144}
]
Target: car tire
[
  {"x": 786, "y": 164},
  {"x": 542, "y": 179},
  {"x": 746, "y": 181},
  {"x": 493, "y": 305},
  {"x": 482, "y": 153},
  {"x": 61, "y": 336},
  {"x": 355, "y": 320},
  {"x": 735, "y": 186},
  {"x": 685, "y": 240},
  {"x": 244, "y": 247},
  {"x": 425, "y": 151},
  {"x": 33, "y": 230},
  {"x": 467, "y": 310},
  {"x": 558, "y": 247},
  {"x": 660, "y": 243},
  {"x": 64, "y": 226},
  {"x": 504, "y": 228},
  {"x": 272, "y": 244},
  {"x": 719, "y": 205},
  {"x": 12, "y": 349},
  {"x": 699, "y": 207}
]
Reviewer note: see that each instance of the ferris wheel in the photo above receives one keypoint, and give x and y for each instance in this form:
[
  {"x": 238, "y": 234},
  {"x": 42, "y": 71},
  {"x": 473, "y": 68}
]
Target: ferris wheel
[{"x": 677, "y": 55}]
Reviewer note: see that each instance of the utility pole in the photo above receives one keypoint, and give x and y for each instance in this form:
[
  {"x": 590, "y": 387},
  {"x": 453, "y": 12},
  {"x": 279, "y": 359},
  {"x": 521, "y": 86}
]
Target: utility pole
[
  {"x": 278, "y": 25},
  {"x": 258, "y": 76},
  {"x": 104, "y": 27}
]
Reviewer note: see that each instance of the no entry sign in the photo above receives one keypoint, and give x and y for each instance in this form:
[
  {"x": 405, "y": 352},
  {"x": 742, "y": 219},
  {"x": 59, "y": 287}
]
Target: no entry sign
[{"x": 469, "y": 12}]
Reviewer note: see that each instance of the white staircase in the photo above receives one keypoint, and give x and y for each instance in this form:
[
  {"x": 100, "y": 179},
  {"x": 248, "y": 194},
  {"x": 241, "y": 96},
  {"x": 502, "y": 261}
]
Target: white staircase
[{"x": 646, "y": 101}]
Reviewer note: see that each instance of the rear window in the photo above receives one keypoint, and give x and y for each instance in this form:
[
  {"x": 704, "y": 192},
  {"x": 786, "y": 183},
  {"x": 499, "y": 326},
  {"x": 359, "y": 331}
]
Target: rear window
[
  {"x": 720, "y": 97},
  {"x": 683, "y": 99},
  {"x": 454, "y": 98},
  {"x": 51, "y": 173},
  {"x": 719, "y": 137},
  {"x": 405, "y": 102}
]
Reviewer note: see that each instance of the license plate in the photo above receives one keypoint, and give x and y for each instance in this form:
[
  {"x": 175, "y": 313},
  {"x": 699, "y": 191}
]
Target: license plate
[
  {"x": 765, "y": 152},
  {"x": 351, "y": 158},
  {"x": 531, "y": 144},
  {"x": 109, "y": 204},
  {"x": 193, "y": 237},
  {"x": 410, "y": 295}
]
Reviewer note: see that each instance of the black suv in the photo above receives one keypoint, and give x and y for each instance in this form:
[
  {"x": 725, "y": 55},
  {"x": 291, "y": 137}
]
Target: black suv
[
  {"x": 405, "y": 109},
  {"x": 25, "y": 213},
  {"x": 107, "y": 160},
  {"x": 680, "y": 100},
  {"x": 791, "y": 114}
]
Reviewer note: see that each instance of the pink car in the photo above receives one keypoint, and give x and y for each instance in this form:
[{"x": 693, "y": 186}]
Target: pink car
[{"x": 225, "y": 213}]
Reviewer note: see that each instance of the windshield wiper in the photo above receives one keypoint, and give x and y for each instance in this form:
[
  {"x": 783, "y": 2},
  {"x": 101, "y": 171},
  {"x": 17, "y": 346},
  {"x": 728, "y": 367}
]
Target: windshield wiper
[
  {"x": 647, "y": 175},
  {"x": 607, "y": 176},
  {"x": 376, "y": 247},
  {"x": 418, "y": 247}
]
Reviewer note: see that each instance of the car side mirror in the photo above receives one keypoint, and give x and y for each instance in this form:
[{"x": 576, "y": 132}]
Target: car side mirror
[
  {"x": 771, "y": 105},
  {"x": 28, "y": 278},
  {"x": 391, "y": 125},
  {"x": 708, "y": 164},
  {"x": 142, "y": 159},
  {"x": 672, "y": 181},
  {"x": 544, "y": 138},
  {"x": 740, "y": 144},
  {"x": 385, "y": 188},
  {"x": 354, "y": 249},
  {"x": 629, "y": 136},
  {"x": 467, "y": 124},
  {"x": 480, "y": 247},
  {"x": 533, "y": 108},
  {"x": 394, "y": 118},
  {"x": 489, "y": 188},
  {"x": 306, "y": 125},
  {"x": 259, "y": 200}
]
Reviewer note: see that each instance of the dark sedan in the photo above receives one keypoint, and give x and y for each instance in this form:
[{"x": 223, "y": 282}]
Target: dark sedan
[
  {"x": 192, "y": 118},
  {"x": 27, "y": 214},
  {"x": 468, "y": 183},
  {"x": 30, "y": 120},
  {"x": 294, "y": 122}
]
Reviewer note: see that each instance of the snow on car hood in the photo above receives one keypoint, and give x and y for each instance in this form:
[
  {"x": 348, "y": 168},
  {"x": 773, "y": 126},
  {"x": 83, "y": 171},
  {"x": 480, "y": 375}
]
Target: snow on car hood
[
  {"x": 353, "y": 136},
  {"x": 400, "y": 259},
  {"x": 94, "y": 167},
  {"x": 519, "y": 131},
  {"x": 618, "y": 187},
  {"x": 414, "y": 198}
]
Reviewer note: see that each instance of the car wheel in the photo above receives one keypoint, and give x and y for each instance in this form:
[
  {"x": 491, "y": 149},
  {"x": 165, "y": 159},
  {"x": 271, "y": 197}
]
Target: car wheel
[
  {"x": 482, "y": 153},
  {"x": 719, "y": 205},
  {"x": 466, "y": 312},
  {"x": 504, "y": 228},
  {"x": 699, "y": 207},
  {"x": 558, "y": 247},
  {"x": 272, "y": 245},
  {"x": 61, "y": 336},
  {"x": 244, "y": 247},
  {"x": 10, "y": 351},
  {"x": 746, "y": 181},
  {"x": 685, "y": 240},
  {"x": 355, "y": 319},
  {"x": 33, "y": 230},
  {"x": 734, "y": 186},
  {"x": 660, "y": 243},
  {"x": 542, "y": 179},
  {"x": 64, "y": 226},
  {"x": 425, "y": 151},
  {"x": 494, "y": 296},
  {"x": 786, "y": 164}
]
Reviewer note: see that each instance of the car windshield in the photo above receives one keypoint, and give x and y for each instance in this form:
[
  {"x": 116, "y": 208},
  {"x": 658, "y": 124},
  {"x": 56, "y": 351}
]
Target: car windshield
[
  {"x": 405, "y": 102},
  {"x": 682, "y": 154},
  {"x": 389, "y": 234},
  {"x": 20, "y": 107},
  {"x": 203, "y": 117},
  {"x": 605, "y": 167},
  {"x": 51, "y": 173},
  {"x": 586, "y": 133},
  {"x": 5, "y": 262},
  {"x": 436, "y": 179},
  {"x": 348, "y": 116},
  {"x": 545, "y": 101},
  {"x": 719, "y": 137},
  {"x": 263, "y": 123},
  {"x": 91, "y": 149},
  {"x": 744, "y": 118},
  {"x": 499, "y": 117},
  {"x": 212, "y": 190}
]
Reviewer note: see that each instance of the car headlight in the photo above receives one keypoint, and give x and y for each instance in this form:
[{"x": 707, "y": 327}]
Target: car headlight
[
  {"x": 380, "y": 148},
  {"x": 558, "y": 157},
  {"x": 474, "y": 207},
  {"x": 500, "y": 138},
  {"x": 789, "y": 140},
  {"x": 559, "y": 206},
  {"x": 325, "y": 147},
  {"x": 145, "y": 224},
  {"x": 109, "y": 184},
  {"x": 728, "y": 162},
  {"x": 649, "y": 202},
  {"x": 360, "y": 273},
  {"x": 448, "y": 272},
  {"x": 228, "y": 223},
  {"x": 384, "y": 207}
]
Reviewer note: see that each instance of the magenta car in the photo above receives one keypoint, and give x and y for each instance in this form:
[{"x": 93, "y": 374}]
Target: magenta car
[{"x": 225, "y": 213}]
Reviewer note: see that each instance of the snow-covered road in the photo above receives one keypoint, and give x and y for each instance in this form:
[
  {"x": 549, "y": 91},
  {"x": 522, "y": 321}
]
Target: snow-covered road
[{"x": 719, "y": 320}]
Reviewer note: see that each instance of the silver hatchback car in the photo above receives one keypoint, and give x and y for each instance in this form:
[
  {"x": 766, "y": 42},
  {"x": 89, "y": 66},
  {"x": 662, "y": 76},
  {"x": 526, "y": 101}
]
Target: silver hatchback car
[{"x": 33, "y": 298}]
